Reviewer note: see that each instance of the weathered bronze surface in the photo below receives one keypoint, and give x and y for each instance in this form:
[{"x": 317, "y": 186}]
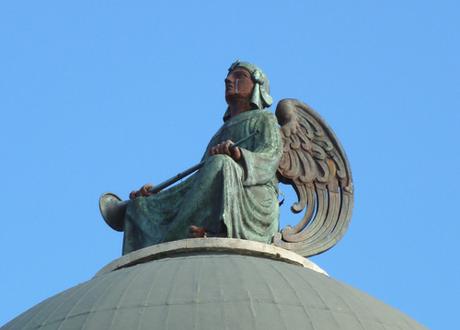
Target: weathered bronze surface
[
  {"x": 315, "y": 164},
  {"x": 234, "y": 193}
]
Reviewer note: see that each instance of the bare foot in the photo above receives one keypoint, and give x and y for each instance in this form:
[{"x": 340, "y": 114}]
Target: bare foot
[{"x": 196, "y": 231}]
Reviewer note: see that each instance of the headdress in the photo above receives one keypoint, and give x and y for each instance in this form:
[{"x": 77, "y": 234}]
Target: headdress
[{"x": 260, "y": 97}]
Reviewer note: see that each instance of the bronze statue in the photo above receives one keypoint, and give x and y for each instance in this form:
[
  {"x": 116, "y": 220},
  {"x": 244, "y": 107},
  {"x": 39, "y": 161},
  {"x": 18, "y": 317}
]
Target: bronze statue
[{"x": 234, "y": 193}]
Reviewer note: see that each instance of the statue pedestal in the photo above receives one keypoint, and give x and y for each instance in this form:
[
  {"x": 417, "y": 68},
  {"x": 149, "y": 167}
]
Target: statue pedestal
[{"x": 209, "y": 245}]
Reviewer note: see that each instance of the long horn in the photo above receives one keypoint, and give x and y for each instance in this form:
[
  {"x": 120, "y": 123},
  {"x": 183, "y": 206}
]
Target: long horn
[{"x": 113, "y": 210}]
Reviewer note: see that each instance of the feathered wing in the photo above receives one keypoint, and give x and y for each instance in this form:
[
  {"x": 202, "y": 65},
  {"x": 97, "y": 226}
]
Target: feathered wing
[{"x": 315, "y": 164}]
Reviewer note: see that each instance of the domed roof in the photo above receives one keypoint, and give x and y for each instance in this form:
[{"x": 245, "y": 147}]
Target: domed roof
[{"x": 212, "y": 289}]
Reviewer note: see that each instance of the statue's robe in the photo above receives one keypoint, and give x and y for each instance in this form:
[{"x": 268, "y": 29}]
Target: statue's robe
[{"x": 239, "y": 199}]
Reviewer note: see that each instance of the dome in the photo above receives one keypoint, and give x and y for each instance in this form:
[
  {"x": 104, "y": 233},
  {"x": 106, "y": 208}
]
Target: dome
[{"x": 212, "y": 287}]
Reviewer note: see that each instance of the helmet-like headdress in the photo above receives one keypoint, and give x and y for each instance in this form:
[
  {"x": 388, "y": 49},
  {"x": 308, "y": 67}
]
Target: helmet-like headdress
[{"x": 260, "y": 97}]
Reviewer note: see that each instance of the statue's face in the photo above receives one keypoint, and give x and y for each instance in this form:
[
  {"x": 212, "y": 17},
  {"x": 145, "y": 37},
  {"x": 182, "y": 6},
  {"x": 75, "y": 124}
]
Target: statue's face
[{"x": 238, "y": 84}]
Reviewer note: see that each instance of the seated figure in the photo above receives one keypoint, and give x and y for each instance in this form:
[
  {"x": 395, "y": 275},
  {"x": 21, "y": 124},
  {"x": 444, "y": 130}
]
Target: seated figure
[{"x": 235, "y": 193}]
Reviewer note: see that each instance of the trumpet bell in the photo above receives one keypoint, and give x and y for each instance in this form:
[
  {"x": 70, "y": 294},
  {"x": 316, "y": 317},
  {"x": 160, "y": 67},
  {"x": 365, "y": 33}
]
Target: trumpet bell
[{"x": 113, "y": 210}]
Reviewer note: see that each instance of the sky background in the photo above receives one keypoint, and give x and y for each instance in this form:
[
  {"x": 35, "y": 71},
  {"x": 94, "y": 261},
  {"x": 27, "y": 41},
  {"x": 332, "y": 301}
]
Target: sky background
[{"x": 100, "y": 96}]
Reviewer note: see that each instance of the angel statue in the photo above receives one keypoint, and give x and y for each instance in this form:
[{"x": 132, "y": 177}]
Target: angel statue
[{"x": 234, "y": 192}]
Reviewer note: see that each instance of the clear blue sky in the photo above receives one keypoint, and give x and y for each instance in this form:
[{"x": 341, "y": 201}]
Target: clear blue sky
[{"x": 102, "y": 96}]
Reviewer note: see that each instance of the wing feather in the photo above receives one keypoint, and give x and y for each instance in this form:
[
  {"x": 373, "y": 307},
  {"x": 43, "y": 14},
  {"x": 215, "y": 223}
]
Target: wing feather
[{"x": 316, "y": 166}]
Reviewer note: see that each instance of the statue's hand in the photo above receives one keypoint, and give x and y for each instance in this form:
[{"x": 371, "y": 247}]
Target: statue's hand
[
  {"x": 146, "y": 190},
  {"x": 226, "y": 148}
]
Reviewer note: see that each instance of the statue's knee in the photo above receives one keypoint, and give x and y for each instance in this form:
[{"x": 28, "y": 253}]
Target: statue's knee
[
  {"x": 220, "y": 160},
  {"x": 217, "y": 163}
]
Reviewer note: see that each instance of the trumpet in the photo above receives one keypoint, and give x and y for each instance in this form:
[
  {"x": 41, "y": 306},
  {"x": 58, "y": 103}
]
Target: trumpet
[{"x": 113, "y": 210}]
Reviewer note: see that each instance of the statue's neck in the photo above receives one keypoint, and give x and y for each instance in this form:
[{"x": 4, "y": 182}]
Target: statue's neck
[{"x": 238, "y": 106}]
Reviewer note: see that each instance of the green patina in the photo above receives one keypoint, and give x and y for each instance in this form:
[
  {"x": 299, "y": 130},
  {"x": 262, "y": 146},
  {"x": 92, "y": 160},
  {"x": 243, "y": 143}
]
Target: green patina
[
  {"x": 239, "y": 199},
  {"x": 235, "y": 191},
  {"x": 229, "y": 198}
]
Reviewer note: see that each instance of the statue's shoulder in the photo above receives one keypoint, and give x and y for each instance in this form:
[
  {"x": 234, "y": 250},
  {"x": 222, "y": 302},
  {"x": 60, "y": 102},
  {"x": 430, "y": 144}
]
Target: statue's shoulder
[
  {"x": 256, "y": 117},
  {"x": 265, "y": 115}
]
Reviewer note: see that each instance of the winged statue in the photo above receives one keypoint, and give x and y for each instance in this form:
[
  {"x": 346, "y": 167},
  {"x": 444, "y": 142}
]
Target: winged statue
[{"x": 233, "y": 191}]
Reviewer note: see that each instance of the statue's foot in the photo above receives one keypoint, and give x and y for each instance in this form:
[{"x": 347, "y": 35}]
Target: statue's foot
[{"x": 197, "y": 232}]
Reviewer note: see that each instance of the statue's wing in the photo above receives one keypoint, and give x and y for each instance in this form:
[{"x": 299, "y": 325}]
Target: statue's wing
[{"x": 315, "y": 164}]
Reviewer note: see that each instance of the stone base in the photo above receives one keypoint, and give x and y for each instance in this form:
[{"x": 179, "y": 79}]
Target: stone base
[{"x": 209, "y": 245}]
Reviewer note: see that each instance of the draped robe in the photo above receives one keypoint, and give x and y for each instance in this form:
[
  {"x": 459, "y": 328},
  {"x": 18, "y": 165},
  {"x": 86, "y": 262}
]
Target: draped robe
[{"x": 236, "y": 199}]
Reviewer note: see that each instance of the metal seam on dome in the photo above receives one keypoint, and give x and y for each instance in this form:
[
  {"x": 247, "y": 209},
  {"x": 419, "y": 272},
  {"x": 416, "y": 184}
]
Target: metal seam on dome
[
  {"x": 295, "y": 293},
  {"x": 320, "y": 298},
  {"x": 123, "y": 293},
  {"x": 272, "y": 294},
  {"x": 96, "y": 303},
  {"x": 90, "y": 286}
]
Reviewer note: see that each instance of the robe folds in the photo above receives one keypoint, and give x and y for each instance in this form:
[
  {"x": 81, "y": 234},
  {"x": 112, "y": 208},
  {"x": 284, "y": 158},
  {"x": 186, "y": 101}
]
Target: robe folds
[{"x": 239, "y": 199}]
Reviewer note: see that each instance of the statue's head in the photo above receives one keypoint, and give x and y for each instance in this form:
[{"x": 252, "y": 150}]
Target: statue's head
[{"x": 247, "y": 80}]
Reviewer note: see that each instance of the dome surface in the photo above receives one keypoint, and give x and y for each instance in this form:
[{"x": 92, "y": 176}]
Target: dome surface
[{"x": 212, "y": 290}]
